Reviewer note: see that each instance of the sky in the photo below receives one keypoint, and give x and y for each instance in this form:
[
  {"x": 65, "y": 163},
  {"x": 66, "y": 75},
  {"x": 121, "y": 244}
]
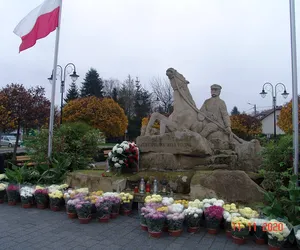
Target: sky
[{"x": 238, "y": 44}]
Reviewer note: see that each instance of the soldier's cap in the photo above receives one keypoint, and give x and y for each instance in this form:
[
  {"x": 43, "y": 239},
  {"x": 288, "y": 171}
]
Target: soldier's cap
[{"x": 215, "y": 86}]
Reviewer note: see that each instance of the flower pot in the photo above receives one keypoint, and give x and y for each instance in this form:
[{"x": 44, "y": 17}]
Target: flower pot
[
  {"x": 144, "y": 227},
  {"x": 114, "y": 215},
  {"x": 228, "y": 234},
  {"x": 126, "y": 212},
  {"x": 26, "y": 205},
  {"x": 41, "y": 206},
  {"x": 104, "y": 219},
  {"x": 12, "y": 203},
  {"x": 212, "y": 231},
  {"x": 175, "y": 233},
  {"x": 260, "y": 241},
  {"x": 192, "y": 229},
  {"x": 155, "y": 234},
  {"x": 238, "y": 241},
  {"x": 84, "y": 220},
  {"x": 72, "y": 215},
  {"x": 55, "y": 208},
  {"x": 270, "y": 247}
]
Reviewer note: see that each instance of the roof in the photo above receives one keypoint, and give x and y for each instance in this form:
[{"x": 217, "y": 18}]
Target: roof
[{"x": 264, "y": 114}]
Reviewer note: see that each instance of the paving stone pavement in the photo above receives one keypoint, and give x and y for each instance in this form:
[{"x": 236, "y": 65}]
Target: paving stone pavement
[{"x": 44, "y": 229}]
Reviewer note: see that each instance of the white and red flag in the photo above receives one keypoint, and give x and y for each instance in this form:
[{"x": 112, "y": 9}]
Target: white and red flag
[{"x": 39, "y": 23}]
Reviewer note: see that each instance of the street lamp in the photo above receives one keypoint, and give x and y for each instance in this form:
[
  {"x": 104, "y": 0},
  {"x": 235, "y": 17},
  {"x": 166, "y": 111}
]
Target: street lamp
[
  {"x": 62, "y": 75},
  {"x": 274, "y": 91}
]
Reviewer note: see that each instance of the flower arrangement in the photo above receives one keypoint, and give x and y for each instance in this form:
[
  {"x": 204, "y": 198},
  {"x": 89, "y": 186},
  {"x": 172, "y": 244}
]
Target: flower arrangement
[
  {"x": 27, "y": 197},
  {"x": 84, "y": 211},
  {"x": 41, "y": 197},
  {"x": 56, "y": 200},
  {"x": 185, "y": 203},
  {"x": 166, "y": 201},
  {"x": 124, "y": 155},
  {"x": 155, "y": 223},
  {"x": 193, "y": 217},
  {"x": 276, "y": 238},
  {"x": 175, "y": 223},
  {"x": 213, "y": 217},
  {"x": 231, "y": 208},
  {"x": 103, "y": 206},
  {"x": 3, "y": 187},
  {"x": 240, "y": 227},
  {"x": 155, "y": 198},
  {"x": 248, "y": 213},
  {"x": 196, "y": 204},
  {"x": 13, "y": 194},
  {"x": 126, "y": 203},
  {"x": 71, "y": 208}
]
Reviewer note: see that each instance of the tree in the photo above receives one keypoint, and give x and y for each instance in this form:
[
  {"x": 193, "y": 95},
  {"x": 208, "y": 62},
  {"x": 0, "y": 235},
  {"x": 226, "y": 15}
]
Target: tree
[
  {"x": 92, "y": 85},
  {"x": 7, "y": 122},
  {"x": 245, "y": 126},
  {"x": 27, "y": 107},
  {"x": 111, "y": 86},
  {"x": 285, "y": 119},
  {"x": 163, "y": 93},
  {"x": 102, "y": 113},
  {"x": 73, "y": 92},
  {"x": 126, "y": 97},
  {"x": 235, "y": 111},
  {"x": 114, "y": 95}
]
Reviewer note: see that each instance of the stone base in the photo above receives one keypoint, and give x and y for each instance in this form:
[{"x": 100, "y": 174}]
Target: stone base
[{"x": 232, "y": 186}]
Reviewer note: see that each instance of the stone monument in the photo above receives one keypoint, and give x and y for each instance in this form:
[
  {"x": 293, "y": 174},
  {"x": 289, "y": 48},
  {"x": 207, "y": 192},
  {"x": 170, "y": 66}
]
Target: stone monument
[{"x": 195, "y": 139}]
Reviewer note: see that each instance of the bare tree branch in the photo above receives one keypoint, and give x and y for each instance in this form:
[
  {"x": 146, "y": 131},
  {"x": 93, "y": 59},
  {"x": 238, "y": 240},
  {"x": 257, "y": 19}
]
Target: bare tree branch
[{"x": 109, "y": 85}]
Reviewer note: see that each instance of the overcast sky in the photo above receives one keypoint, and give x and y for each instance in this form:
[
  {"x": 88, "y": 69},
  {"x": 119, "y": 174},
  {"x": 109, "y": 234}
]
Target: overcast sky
[{"x": 239, "y": 44}]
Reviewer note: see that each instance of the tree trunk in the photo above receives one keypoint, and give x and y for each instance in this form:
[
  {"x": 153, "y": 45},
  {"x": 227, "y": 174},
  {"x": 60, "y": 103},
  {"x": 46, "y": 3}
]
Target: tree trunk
[{"x": 17, "y": 141}]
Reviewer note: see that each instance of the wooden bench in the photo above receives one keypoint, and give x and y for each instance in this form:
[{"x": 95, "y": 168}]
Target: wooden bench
[
  {"x": 21, "y": 160},
  {"x": 106, "y": 152}
]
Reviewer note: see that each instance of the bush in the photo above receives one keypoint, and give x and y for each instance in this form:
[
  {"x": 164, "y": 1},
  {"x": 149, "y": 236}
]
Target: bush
[{"x": 77, "y": 142}]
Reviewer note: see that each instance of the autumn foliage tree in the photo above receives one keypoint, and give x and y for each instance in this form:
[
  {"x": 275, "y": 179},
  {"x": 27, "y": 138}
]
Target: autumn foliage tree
[
  {"x": 245, "y": 126},
  {"x": 285, "y": 119},
  {"x": 102, "y": 113}
]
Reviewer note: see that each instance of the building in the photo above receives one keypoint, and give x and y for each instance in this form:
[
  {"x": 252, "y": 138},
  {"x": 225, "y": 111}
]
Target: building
[{"x": 267, "y": 121}]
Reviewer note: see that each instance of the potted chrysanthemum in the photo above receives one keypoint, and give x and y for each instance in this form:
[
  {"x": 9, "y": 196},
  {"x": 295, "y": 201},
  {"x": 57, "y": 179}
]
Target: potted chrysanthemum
[
  {"x": 259, "y": 230},
  {"x": 56, "y": 200},
  {"x": 27, "y": 198},
  {"x": 144, "y": 211},
  {"x": 71, "y": 208},
  {"x": 3, "y": 187},
  {"x": 213, "y": 216},
  {"x": 84, "y": 211},
  {"x": 103, "y": 206},
  {"x": 41, "y": 197},
  {"x": 227, "y": 216},
  {"x": 193, "y": 217},
  {"x": 155, "y": 223},
  {"x": 13, "y": 194},
  {"x": 248, "y": 213},
  {"x": 126, "y": 203},
  {"x": 240, "y": 228},
  {"x": 175, "y": 223},
  {"x": 277, "y": 231},
  {"x": 115, "y": 203}
]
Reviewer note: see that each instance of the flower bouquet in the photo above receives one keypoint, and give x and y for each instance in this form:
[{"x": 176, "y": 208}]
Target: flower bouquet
[
  {"x": 13, "y": 194},
  {"x": 71, "y": 208},
  {"x": 277, "y": 232},
  {"x": 213, "y": 216},
  {"x": 143, "y": 221},
  {"x": 84, "y": 211},
  {"x": 155, "y": 223},
  {"x": 103, "y": 206},
  {"x": 175, "y": 223},
  {"x": 259, "y": 229},
  {"x": 56, "y": 200},
  {"x": 41, "y": 197},
  {"x": 240, "y": 228},
  {"x": 115, "y": 203},
  {"x": 3, "y": 187},
  {"x": 126, "y": 203},
  {"x": 27, "y": 197},
  {"x": 193, "y": 217}
]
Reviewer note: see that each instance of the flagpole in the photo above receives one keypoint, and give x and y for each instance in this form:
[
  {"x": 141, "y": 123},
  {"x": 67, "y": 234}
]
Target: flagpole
[
  {"x": 52, "y": 110},
  {"x": 295, "y": 87}
]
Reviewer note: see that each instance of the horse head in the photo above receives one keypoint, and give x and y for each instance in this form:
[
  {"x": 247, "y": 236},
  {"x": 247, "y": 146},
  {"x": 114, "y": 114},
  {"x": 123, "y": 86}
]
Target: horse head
[{"x": 173, "y": 73}]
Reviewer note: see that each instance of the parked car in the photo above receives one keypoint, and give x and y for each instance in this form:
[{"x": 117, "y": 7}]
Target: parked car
[{"x": 9, "y": 141}]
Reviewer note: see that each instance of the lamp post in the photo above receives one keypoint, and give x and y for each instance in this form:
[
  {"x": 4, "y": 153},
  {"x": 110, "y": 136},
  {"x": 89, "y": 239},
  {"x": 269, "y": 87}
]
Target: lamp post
[
  {"x": 274, "y": 91},
  {"x": 62, "y": 75}
]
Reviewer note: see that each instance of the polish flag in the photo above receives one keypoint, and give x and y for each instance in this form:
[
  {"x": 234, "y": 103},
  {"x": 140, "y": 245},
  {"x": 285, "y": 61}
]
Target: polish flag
[{"x": 39, "y": 23}]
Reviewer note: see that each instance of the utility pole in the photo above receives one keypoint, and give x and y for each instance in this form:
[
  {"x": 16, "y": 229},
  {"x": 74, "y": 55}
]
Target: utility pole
[{"x": 254, "y": 107}]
